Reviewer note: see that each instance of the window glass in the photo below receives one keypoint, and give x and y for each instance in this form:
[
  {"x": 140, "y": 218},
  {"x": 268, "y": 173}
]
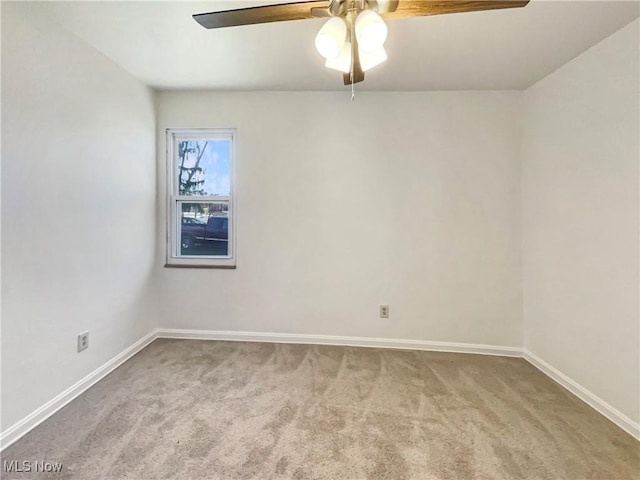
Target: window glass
[
  {"x": 200, "y": 214},
  {"x": 204, "y": 167},
  {"x": 204, "y": 229}
]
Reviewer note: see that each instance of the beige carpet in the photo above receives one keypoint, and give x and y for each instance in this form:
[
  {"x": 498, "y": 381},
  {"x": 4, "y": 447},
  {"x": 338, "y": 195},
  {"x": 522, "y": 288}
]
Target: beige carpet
[{"x": 197, "y": 409}]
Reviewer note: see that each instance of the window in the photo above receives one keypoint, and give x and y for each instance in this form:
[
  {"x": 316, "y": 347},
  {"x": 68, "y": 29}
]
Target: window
[{"x": 201, "y": 209}]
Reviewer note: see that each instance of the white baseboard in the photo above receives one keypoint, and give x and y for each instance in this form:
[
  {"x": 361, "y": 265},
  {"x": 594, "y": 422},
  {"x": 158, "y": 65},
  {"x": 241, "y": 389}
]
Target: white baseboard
[
  {"x": 338, "y": 340},
  {"x": 595, "y": 402},
  {"x": 34, "y": 419}
]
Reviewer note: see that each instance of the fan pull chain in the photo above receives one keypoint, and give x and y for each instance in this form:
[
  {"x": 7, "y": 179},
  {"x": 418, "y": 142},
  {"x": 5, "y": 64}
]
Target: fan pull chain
[{"x": 353, "y": 61}]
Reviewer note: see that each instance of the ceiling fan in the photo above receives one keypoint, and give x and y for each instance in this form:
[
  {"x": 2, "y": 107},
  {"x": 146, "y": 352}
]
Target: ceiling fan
[{"x": 352, "y": 39}]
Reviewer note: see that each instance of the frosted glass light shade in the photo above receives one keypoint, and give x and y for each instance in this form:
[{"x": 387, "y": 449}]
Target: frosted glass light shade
[
  {"x": 331, "y": 37},
  {"x": 369, "y": 60},
  {"x": 343, "y": 61},
  {"x": 371, "y": 31}
]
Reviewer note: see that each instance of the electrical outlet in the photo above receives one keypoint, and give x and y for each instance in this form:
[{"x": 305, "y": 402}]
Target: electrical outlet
[
  {"x": 384, "y": 311},
  {"x": 83, "y": 341}
]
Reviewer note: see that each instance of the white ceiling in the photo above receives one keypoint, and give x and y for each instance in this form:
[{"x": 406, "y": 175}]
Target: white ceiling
[{"x": 159, "y": 43}]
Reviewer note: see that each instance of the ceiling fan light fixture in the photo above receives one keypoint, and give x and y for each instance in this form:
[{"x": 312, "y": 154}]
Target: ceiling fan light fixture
[
  {"x": 331, "y": 38},
  {"x": 356, "y": 22},
  {"x": 368, "y": 60},
  {"x": 342, "y": 62},
  {"x": 371, "y": 31}
]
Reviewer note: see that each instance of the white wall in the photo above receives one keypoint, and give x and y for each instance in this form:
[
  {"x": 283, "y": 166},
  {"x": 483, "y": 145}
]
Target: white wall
[
  {"x": 580, "y": 221},
  {"x": 78, "y": 207},
  {"x": 406, "y": 199}
]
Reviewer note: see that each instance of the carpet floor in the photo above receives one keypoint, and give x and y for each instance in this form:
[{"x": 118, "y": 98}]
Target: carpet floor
[{"x": 193, "y": 409}]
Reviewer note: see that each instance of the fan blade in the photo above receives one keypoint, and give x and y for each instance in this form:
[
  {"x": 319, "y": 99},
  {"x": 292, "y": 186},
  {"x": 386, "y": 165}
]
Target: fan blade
[
  {"x": 320, "y": 13},
  {"x": 418, "y": 8},
  {"x": 265, "y": 14},
  {"x": 358, "y": 73},
  {"x": 358, "y": 77}
]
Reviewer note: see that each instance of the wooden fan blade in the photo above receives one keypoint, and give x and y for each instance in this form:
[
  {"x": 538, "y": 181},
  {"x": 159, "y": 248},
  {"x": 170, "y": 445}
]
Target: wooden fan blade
[
  {"x": 358, "y": 73},
  {"x": 358, "y": 77},
  {"x": 320, "y": 13},
  {"x": 265, "y": 14},
  {"x": 418, "y": 8}
]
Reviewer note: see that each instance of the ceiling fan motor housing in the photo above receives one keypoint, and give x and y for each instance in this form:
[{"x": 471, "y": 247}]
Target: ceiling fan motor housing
[{"x": 341, "y": 7}]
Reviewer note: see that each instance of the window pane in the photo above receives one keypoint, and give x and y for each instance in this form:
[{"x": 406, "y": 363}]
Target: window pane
[
  {"x": 204, "y": 167},
  {"x": 203, "y": 229}
]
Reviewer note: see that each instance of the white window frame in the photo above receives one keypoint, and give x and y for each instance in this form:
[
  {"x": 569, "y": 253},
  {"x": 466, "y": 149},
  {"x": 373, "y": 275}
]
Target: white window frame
[{"x": 173, "y": 258}]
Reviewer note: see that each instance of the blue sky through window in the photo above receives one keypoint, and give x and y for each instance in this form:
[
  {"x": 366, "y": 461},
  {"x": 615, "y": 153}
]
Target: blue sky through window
[{"x": 216, "y": 166}]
